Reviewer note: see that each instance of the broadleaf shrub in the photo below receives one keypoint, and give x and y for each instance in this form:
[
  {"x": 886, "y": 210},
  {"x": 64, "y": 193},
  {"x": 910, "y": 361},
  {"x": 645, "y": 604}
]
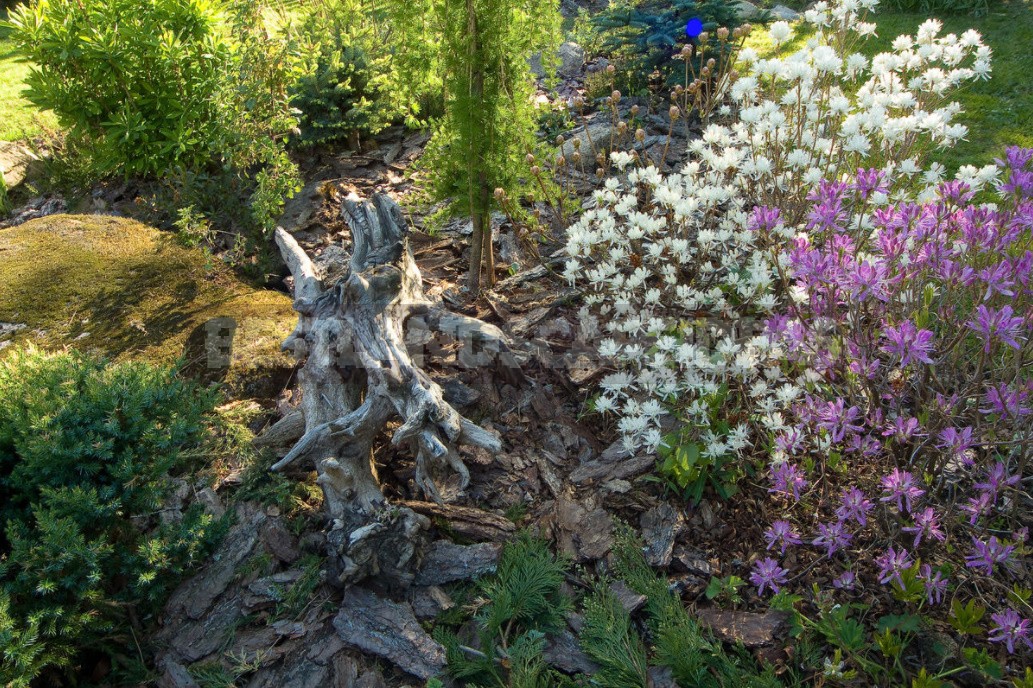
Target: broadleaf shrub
[
  {"x": 168, "y": 90},
  {"x": 86, "y": 448}
]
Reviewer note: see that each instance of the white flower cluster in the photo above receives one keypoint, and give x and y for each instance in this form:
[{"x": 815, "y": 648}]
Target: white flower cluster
[{"x": 673, "y": 277}]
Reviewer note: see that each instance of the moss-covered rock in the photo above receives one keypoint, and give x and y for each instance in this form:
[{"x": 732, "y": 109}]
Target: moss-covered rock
[{"x": 125, "y": 290}]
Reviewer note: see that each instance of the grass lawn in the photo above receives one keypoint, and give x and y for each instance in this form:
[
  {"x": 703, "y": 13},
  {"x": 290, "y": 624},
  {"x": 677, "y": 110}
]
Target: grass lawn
[
  {"x": 17, "y": 115},
  {"x": 998, "y": 112}
]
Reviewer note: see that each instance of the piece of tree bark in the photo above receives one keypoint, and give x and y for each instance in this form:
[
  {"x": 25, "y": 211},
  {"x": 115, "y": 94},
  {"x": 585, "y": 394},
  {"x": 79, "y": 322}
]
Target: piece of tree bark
[
  {"x": 389, "y": 630},
  {"x": 358, "y": 375}
]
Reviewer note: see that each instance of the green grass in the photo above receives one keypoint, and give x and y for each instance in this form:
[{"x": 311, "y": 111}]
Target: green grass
[
  {"x": 998, "y": 112},
  {"x": 18, "y": 117}
]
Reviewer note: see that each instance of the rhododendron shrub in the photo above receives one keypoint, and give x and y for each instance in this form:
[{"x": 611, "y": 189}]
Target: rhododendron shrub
[
  {"x": 810, "y": 297},
  {"x": 674, "y": 272},
  {"x": 913, "y": 320},
  {"x": 913, "y": 323}
]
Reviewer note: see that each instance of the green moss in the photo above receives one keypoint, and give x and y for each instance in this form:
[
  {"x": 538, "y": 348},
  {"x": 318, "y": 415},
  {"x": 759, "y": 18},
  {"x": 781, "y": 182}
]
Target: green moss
[{"x": 125, "y": 290}]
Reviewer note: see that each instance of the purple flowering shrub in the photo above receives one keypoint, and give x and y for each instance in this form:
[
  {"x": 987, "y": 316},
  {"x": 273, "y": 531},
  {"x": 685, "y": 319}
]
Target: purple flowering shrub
[{"x": 908, "y": 324}]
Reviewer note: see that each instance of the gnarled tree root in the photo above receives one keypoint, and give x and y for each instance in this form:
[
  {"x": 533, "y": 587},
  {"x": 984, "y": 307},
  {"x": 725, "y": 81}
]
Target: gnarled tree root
[{"x": 358, "y": 375}]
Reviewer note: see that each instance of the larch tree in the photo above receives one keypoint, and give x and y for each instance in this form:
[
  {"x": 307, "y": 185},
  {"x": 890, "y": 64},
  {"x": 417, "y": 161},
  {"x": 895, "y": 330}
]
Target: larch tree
[{"x": 481, "y": 52}]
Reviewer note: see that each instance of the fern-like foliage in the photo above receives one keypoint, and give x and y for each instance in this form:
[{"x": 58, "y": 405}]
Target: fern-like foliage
[
  {"x": 522, "y": 603},
  {"x": 695, "y": 659},
  {"x": 609, "y": 638}
]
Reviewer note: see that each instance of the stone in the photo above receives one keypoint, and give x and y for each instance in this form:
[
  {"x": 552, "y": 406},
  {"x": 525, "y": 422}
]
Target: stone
[
  {"x": 458, "y": 394},
  {"x": 594, "y": 139},
  {"x": 748, "y": 11},
  {"x": 15, "y": 162},
  {"x": 446, "y": 562},
  {"x": 571, "y": 58},
  {"x": 784, "y": 13},
  {"x": 300, "y": 210},
  {"x": 661, "y": 677},
  {"x": 387, "y": 629},
  {"x": 279, "y": 541}
]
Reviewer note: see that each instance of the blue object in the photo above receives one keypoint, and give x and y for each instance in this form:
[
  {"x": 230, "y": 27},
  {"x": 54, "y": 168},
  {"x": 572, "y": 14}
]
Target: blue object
[{"x": 694, "y": 28}]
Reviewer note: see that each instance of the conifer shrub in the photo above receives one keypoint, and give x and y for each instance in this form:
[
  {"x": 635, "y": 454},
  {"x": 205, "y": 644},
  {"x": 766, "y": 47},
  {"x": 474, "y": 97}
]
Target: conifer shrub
[
  {"x": 86, "y": 451},
  {"x": 337, "y": 99},
  {"x": 644, "y": 35}
]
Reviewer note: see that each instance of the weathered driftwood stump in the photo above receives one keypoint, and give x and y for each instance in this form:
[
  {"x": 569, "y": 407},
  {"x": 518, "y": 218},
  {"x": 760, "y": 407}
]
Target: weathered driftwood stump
[{"x": 358, "y": 375}]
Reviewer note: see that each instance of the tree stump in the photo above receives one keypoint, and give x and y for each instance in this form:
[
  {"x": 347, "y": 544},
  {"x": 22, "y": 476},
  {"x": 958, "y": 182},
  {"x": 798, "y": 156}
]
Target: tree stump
[{"x": 358, "y": 375}]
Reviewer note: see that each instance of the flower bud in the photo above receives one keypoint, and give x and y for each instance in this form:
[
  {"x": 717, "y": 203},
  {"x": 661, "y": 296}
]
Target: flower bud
[
  {"x": 622, "y": 127},
  {"x": 600, "y": 172},
  {"x": 500, "y": 193},
  {"x": 610, "y": 69},
  {"x": 600, "y": 159},
  {"x": 577, "y": 144},
  {"x": 536, "y": 170},
  {"x": 561, "y": 161},
  {"x": 634, "y": 109},
  {"x": 640, "y": 135},
  {"x": 616, "y": 96},
  {"x": 576, "y": 157},
  {"x": 559, "y": 140},
  {"x": 711, "y": 63},
  {"x": 675, "y": 112},
  {"x": 722, "y": 34},
  {"x": 530, "y": 159}
]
